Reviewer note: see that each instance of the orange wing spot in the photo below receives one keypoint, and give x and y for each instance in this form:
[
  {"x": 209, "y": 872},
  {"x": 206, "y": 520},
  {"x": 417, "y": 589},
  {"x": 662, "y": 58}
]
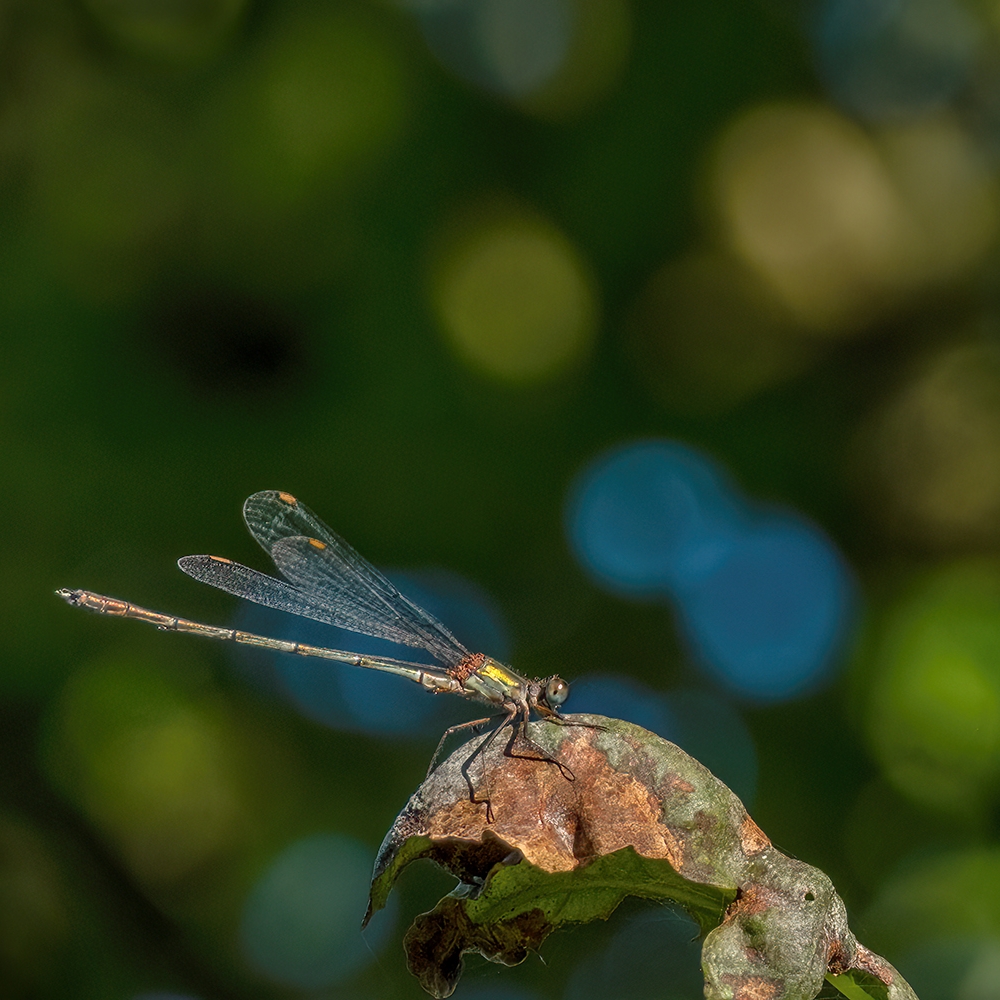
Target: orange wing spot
[
  {"x": 221, "y": 559},
  {"x": 287, "y": 498},
  {"x": 317, "y": 544}
]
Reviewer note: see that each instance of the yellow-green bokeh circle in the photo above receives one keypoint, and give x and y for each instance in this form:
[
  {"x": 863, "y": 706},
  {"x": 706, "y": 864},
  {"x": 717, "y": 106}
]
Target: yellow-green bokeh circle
[
  {"x": 514, "y": 299},
  {"x": 151, "y": 762},
  {"x": 321, "y": 98},
  {"x": 933, "y": 716},
  {"x": 178, "y": 32}
]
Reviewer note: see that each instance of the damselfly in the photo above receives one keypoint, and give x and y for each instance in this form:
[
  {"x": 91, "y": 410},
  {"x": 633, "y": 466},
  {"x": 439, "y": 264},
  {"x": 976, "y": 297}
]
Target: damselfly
[{"x": 326, "y": 580}]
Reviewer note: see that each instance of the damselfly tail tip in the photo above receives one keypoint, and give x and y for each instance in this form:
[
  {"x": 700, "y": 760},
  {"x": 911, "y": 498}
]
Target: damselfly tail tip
[{"x": 69, "y": 596}]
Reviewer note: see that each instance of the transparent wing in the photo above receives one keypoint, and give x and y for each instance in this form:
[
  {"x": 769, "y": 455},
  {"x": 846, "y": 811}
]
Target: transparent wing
[
  {"x": 330, "y": 581},
  {"x": 335, "y": 576},
  {"x": 349, "y": 610},
  {"x": 252, "y": 585},
  {"x": 272, "y": 515}
]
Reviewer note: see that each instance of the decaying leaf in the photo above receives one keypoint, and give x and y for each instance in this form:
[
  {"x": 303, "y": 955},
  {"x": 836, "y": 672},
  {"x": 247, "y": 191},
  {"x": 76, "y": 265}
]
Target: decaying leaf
[{"x": 626, "y": 814}]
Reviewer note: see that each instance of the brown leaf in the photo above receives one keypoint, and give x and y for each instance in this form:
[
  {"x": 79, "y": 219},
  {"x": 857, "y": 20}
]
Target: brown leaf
[{"x": 561, "y": 826}]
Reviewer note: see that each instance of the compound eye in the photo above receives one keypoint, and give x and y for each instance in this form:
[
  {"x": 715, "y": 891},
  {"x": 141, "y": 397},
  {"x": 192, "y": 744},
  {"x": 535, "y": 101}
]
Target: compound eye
[{"x": 556, "y": 691}]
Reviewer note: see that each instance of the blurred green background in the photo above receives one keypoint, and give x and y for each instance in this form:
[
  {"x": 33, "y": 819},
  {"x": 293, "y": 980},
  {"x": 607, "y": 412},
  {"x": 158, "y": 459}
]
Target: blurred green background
[{"x": 427, "y": 264}]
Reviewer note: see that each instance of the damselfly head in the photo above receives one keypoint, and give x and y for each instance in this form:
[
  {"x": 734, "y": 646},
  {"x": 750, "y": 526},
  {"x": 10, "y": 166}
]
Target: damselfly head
[{"x": 556, "y": 691}]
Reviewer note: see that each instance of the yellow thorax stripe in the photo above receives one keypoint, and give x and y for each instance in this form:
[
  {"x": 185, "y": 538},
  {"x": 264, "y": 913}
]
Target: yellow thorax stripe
[{"x": 495, "y": 672}]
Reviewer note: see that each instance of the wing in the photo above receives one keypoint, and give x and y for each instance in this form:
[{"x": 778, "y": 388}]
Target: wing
[
  {"x": 342, "y": 579},
  {"x": 272, "y": 515},
  {"x": 329, "y": 580},
  {"x": 252, "y": 585},
  {"x": 346, "y": 611}
]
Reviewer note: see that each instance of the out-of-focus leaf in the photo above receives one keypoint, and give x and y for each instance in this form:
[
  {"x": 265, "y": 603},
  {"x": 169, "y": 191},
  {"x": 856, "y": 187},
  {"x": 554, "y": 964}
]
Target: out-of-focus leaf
[{"x": 561, "y": 830}]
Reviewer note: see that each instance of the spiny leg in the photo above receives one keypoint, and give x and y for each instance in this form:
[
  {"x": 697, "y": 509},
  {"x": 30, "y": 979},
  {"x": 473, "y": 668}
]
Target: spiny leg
[
  {"x": 455, "y": 729},
  {"x": 482, "y": 748},
  {"x": 544, "y": 757}
]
